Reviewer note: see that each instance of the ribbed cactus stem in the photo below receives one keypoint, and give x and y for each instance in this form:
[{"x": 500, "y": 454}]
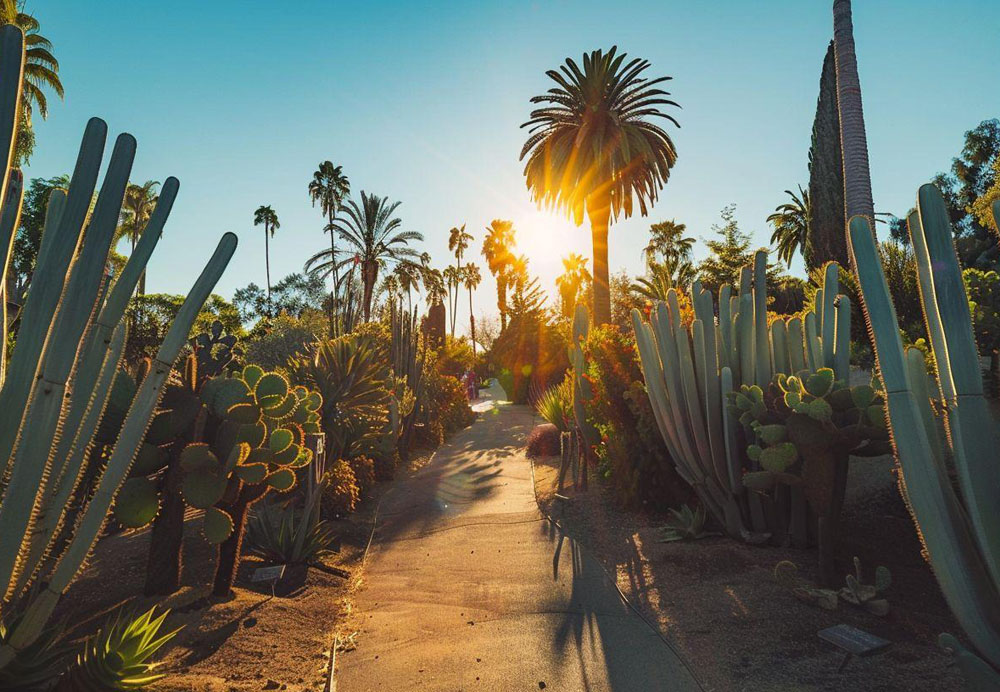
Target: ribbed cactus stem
[
  {"x": 762, "y": 350},
  {"x": 828, "y": 324},
  {"x": 10, "y": 216}
]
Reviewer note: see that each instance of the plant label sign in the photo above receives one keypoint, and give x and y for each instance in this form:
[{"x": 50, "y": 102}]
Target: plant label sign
[
  {"x": 268, "y": 573},
  {"x": 852, "y": 640}
]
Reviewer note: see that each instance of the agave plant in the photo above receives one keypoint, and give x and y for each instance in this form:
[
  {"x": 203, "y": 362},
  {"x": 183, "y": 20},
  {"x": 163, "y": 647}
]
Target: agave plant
[
  {"x": 555, "y": 405},
  {"x": 285, "y": 536},
  {"x": 118, "y": 656},
  {"x": 685, "y": 524}
]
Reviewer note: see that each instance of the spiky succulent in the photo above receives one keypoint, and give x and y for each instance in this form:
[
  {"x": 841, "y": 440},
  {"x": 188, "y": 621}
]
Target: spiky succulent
[{"x": 685, "y": 524}]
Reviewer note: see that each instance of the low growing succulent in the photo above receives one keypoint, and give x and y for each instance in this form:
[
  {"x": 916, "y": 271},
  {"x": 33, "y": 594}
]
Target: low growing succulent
[
  {"x": 685, "y": 525},
  {"x": 854, "y": 592}
]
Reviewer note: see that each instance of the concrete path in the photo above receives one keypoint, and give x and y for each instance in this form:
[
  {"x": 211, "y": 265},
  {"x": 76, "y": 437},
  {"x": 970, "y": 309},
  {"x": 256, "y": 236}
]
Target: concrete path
[{"x": 470, "y": 587}]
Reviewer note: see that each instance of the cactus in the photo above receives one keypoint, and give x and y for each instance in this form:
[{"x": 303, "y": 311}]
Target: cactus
[
  {"x": 803, "y": 428},
  {"x": 582, "y": 389},
  {"x": 855, "y": 592},
  {"x": 690, "y": 374},
  {"x": 960, "y": 530},
  {"x": 70, "y": 340}
]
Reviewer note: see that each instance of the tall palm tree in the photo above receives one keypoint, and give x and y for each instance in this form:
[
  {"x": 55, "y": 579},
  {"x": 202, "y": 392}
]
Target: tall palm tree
[
  {"x": 269, "y": 218},
  {"x": 662, "y": 276},
  {"x": 857, "y": 175},
  {"x": 41, "y": 71},
  {"x": 574, "y": 277},
  {"x": 329, "y": 188},
  {"x": 375, "y": 241},
  {"x": 458, "y": 243},
  {"x": 434, "y": 287},
  {"x": 592, "y": 148},
  {"x": 667, "y": 240},
  {"x": 408, "y": 275},
  {"x": 791, "y": 225},
  {"x": 498, "y": 249},
  {"x": 137, "y": 207},
  {"x": 452, "y": 278},
  {"x": 471, "y": 278}
]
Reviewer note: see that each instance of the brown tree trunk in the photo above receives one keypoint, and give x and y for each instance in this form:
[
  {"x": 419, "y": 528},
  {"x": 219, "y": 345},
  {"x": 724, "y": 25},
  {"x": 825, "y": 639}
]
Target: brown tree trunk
[
  {"x": 599, "y": 213},
  {"x": 472, "y": 324},
  {"x": 857, "y": 176},
  {"x": 267, "y": 268},
  {"x": 369, "y": 273},
  {"x": 333, "y": 279},
  {"x": 502, "y": 301}
]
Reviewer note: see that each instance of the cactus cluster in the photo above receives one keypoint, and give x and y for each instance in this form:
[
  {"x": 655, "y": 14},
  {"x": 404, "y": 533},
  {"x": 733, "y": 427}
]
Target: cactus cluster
[
  {"x": 959, "y": 526},
  {"x": 59, "y": 377},
  {"x": 690, "y": 373},
  {"x": 854, "y": 591}
]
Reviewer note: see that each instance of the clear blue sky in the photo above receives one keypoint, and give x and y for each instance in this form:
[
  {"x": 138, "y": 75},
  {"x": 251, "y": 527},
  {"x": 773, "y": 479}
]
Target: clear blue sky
[{"x": 423, "y": 102}]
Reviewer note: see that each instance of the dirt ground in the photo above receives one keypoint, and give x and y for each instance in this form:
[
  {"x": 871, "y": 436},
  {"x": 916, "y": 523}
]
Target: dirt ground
[
  {"x": 717, "y": 601},
  {"x": 254, "y": 641}
]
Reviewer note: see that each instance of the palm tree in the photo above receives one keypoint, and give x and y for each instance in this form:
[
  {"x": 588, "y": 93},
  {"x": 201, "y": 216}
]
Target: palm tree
[
  {"x": 662, "y": 276},
  {"x": 471, "y": 278},
  {"x": 434, "y": 287},
  {"x": 857, "y": 176},
  {"x": 372, "y": 232},
  {"x": 137, "y": 208},
  {"x": 791, "y": 225},
  {"x": 569, "y": 283},
  {"x": 452, "y": 278},
  {"x": 268, "y": 217},
  {"x": 593, "y": 149},
  {"x": 41, "y": 71},
  {"x": 458, "y": 243},
  {"x": 498, "y": 246},
  {"x": 408, "y": 275},
  {"x": 329, "y": 188},
  {"x": 667, "y": 240}
]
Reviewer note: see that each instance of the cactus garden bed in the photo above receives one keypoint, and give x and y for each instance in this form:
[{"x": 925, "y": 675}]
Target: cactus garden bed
[{"x": 717, "y": 600}]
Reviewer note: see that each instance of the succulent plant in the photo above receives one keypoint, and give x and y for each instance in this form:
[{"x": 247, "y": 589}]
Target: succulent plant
[
  {"x": 856, "y": 592},
  {"x": 685, "y": 524},
  {"x": 786, "y": 573}
]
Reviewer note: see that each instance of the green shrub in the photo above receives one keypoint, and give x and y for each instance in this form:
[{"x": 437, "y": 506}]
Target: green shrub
[
  {"x": 556, "y": 404},
  {"x": 364, "y": 473},
  {"x": 529, "y": 356},
  {"x": 340, "y": 488}
]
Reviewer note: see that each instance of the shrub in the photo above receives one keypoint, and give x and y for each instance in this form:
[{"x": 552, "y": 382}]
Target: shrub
[
  {"x": 529, "y": 355},
  {"x": 544, "y": 441},
  {"x": 364, "y": 473},
  {"x": 556, "y": 404},
  {"x": 283, "y": 339},
  {"x": 632, "y": 453},
  {"x": 340, "y": 488},
  {"x": 455, "y": 357},
  {"x": 385, "y": 466}
]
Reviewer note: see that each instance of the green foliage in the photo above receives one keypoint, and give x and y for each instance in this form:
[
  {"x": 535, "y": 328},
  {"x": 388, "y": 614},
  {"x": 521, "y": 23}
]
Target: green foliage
[
  {"x": 826, "y": 241},
  {"x": 364, "y": 473},
  {"x": 29, "y": 232},
  {"x": 284, "y": 338},
  {"x": 983, "y": 289},
  {"x": 118, "y": 656},
  {"x": 555, "y": 405},
  {"x": 286, "y": 536},
  {"x": 728, "y": 254},
  {"x": 295, "y": 295},
  {"x": 340, "y": 488},
  {"x": 150, "y": 315},
  {"x": 447, "y": 403},
  {"x": 685, "y": 524},
  {"x": 530, "y": 355}
]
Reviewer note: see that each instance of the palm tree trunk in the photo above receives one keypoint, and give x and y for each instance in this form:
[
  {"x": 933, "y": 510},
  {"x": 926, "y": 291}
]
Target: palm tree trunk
[
  {"x": 599, "y": 213},
  {"x": 267, "y": 268},
  {"x": 502, "y": 301},
  {"x": 472, "y": 323},
  {"x": 857, "y": 176},
  {"x": 451, "y": 310},
  {"x": 369, "y": 270},
  {"x": 333, "y": 279}
]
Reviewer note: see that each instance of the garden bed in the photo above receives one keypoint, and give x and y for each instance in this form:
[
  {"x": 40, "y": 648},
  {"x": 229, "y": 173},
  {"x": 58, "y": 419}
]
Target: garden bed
[
  {"x": 252, "y": 641},
  {"x": 717, "y": 601}
]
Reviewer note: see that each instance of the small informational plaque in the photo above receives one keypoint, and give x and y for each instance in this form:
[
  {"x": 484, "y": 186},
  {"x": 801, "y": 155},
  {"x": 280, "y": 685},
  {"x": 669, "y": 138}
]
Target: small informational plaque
[
  {"x": 852, "y": 640},
  {"x": 268, "y": 573}
]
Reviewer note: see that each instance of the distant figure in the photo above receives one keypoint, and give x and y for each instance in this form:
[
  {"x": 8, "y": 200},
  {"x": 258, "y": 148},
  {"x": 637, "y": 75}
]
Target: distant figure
[{"x": 470, "y": 385}]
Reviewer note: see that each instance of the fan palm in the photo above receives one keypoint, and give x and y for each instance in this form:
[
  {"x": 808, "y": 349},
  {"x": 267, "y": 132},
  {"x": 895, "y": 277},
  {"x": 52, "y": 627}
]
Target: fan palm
[
  {"x": 574, "y": 277},
  {"x": 434, "y": 286},
  {"x": 269, "y": 218},
  {"x": 498, "y": 247},
  {"x": 471, "y": 278},
  {"x": 791, "y": 225},
  {"x": 408, "y": 275},
  {"x": 667, "y": 240},
  {"x": 662, "y": 276},
  {"x": 458, "y": 243},
  {"x": 137, "y": 208},
  {"x": 372, "y": 233},
  {"x": 41, "y": 71},
  {"x": 592, "y": 148},
  {"x": 329, "y": 188}
]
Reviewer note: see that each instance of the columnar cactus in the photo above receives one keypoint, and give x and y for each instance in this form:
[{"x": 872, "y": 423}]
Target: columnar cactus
[
  {"x": 960, "y": 530},
  {"x": 690, "y": 373},
  {"x": 70, "y": 341},
  {"x": 582, "y": 389}
]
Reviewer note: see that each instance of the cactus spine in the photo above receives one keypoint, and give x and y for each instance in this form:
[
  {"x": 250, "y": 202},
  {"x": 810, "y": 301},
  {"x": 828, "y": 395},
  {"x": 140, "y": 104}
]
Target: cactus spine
[{"x": 960, "y": 531}]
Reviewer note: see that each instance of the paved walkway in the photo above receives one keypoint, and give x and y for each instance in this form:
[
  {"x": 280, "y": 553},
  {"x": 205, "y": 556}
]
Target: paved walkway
[{"x": 470, "y": 587}]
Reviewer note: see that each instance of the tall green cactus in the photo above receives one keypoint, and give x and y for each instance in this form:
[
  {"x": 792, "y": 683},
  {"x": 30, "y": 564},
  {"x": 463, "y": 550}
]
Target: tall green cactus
[
  {"x": 960, "y": 531},
  {"x": 69, "y": 343},
  {"x": 690, "y": 373}
]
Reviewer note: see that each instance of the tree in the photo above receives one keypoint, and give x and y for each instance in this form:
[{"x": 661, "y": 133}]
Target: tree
[
  {"x": 29, "y": 231},
  {"x": 269, "y": 218},
  {"x": 408, "y": 275},
  {"x": 375, "y": 240},
  {"x": 729, "y": 254},
  {"x": 572, "y": 282},
  {"x": 791, "y": 226},
  {"x": 471, "y": 278},
  {"x": 41, "y": 71},
  {"x": 661, "y": 277},
  {"x": 329, "y": 187},
  {"x": 137, "y": 208},
  {"x": 854, "y": 143},
  {"x": 293, "y": 295},
  {"x": 498, "y": 249},
  {"x": 667, "y": 240},
  {"x": 458, "y": 243},
  {"x": 827, "y": 237},
  {"x": 592, "y": 148},
  {"x": 452, "y": 278},
  {"x": 982, "y": 208}
]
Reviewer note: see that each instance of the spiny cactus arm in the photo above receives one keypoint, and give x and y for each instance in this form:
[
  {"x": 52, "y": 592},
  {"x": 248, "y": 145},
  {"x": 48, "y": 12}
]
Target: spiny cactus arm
[
  {"x": 58, "y": 247},
  {"x": 973, "y": 430},
  {"x": 842, "y": 349},
  {"x": 734, "y": 345},
  {"x": 796, "y": 345},
  {"x": 42, "y": 424},
  {"x": 932, "y": 318},
  {"x": 725, "y": 326},
  {"x": 920, "y": 381},
  {"x": 779, "y": 342},
  {"x": 11, "y": 63},
  {"x": 762, "y": 348},
  {"x": 133, "y": 430},
  {"x": 692, "y": 399},
  {"x": 56, "y": 495},
  {"x": 745, "y": 343},
  {"x": 814, "y": 351},
  {"x": 10, "y": 216},
  {"x": 817, "y": 310},
  {"x": 964, "y": 579},
  {"x": 831, "y": 288},
  {"x": 713, "y": 397}
]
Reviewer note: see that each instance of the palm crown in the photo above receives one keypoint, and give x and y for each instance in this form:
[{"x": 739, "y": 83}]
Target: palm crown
[
  {"x": 268, "y": 217},
  {"x": 791, "y": 225}
]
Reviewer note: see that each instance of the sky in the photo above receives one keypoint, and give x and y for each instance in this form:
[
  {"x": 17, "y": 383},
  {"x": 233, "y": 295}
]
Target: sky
[{"x": 422, "y": 102}]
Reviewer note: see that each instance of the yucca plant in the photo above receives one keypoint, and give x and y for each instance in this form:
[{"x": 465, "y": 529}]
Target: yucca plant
[
  {"x": 118, "y": 656},
  {"x": 286, "y": 536},
  {"x": 555, "y": 404}
]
